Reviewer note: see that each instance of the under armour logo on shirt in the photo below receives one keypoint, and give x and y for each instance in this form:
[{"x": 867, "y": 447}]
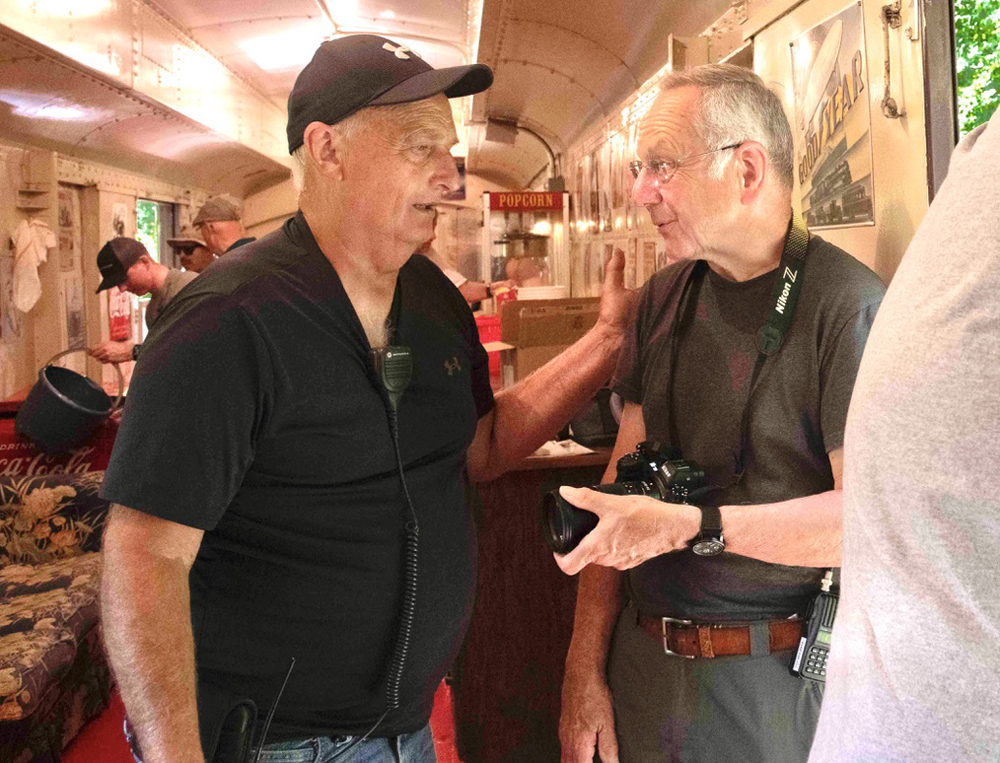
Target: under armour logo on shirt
[
  {"x": 452, "y": 365},
  {"x": 399, "y": 52}
]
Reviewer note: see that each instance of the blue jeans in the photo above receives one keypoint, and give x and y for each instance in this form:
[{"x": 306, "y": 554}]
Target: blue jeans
[{"x": 417, "y": 747}]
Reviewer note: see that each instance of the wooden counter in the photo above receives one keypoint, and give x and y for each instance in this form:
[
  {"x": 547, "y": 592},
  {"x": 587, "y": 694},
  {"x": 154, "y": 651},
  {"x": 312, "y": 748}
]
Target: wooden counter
[{"x": 508, "y": 679}]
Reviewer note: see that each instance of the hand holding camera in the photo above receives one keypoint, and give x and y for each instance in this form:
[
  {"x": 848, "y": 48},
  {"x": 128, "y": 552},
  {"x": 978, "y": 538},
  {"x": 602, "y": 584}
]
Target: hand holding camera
[
  {"x": 632, "y": 529},
  {"x": 643, "y": 514}
]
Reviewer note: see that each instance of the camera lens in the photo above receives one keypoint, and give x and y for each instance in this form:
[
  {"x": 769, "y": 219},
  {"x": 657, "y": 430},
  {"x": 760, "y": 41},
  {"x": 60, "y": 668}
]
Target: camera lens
[{"x": 564, "y": 525}]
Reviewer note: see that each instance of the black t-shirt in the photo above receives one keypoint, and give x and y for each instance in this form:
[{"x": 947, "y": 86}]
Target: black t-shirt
[
  {"x": 797, "y": 416},
  {"x": 254, "y": 415},
  {"x": 240, "y": 242}
]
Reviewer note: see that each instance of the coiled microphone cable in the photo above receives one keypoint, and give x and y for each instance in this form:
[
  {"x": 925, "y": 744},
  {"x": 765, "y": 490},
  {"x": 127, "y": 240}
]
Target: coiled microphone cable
[{"x": 394, "y": 369}]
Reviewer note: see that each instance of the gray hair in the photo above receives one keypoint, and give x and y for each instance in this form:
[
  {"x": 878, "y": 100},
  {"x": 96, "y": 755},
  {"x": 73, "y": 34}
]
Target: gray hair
[
  {"x": 736, "y": 106},
  {"x": 354, "y": 124}
]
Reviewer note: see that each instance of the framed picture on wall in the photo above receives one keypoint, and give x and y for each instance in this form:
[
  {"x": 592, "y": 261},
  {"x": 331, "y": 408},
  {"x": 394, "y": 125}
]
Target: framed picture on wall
[
  {"x": 630, "y": 262},
  {"x": 73, "y": 306},
  {"x": 576, "y": 196},
  {"x": 605, "y": 184},
  {"x": 595, "y": 190},
  {"x": 648, "y": 259},
  {"x": 661, "y": 253},
  {"x": 832, "y": 123},
  {"x": 629, "y": 153},
  {"x": 617, "y": 171}
]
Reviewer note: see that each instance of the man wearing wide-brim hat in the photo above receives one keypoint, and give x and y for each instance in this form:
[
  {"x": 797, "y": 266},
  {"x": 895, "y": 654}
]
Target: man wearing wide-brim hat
[
  {"x": 191, "y": 249},
  {"x": 308, "y": 503}
]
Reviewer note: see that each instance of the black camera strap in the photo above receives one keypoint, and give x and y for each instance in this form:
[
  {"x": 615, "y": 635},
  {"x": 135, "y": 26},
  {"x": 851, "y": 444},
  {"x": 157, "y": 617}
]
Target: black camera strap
[{"x": 770, "y": 337}]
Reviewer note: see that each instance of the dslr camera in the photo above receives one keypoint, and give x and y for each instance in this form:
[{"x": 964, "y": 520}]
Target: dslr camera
[{"x": 648, "y": 470}]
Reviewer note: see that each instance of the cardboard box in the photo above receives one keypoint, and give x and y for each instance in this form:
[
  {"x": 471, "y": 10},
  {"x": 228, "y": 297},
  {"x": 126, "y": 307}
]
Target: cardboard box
[{"x": 539, "y": 330}]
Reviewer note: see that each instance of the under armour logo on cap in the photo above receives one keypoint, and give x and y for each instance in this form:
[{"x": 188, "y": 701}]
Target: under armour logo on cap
[{"x": 400, "y": 51}]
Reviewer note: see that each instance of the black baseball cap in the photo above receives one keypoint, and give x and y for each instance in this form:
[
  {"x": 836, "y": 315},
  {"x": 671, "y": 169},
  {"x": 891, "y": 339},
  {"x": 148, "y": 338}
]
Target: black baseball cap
[
  {"x": 114, "y": 260},
  {"x": 349, "y": 73}
]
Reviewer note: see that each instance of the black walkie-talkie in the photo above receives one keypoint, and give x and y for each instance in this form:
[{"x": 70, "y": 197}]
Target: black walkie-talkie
[
  {"x": 394, "y": 369},
  {"x": 814, "y": 647}
]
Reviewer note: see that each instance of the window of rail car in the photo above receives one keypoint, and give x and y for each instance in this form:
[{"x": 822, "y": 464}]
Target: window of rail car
[{"x": 155, "y": 223}]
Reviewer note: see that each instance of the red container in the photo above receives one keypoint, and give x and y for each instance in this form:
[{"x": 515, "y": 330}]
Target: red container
[
  {"x": 489, "y": 331},
  {"x": 503, "y": 296}
]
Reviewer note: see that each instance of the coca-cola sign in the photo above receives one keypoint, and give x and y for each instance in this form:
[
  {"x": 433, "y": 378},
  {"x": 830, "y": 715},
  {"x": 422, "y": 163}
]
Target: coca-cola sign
[
  {"x": 19, "y": 456},
  {"x": 20, "y": 460}
]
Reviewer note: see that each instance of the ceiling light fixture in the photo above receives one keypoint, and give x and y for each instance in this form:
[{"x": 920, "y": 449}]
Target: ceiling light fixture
[
  {"x": 76, "y": 8},
  {"x": 55, "y": 111},
  {"x": 290, "y": 49}
]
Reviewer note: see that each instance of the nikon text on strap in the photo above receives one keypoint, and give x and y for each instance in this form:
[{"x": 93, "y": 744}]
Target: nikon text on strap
[{"x": 787, "y": 288}]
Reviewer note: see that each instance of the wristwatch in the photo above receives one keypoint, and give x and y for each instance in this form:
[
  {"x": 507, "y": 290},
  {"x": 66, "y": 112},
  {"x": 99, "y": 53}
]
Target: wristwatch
[
  {"x": 709, "y": 541},
  {"x": 489, "y": 291},
  {"x": 135, "y": 351}
]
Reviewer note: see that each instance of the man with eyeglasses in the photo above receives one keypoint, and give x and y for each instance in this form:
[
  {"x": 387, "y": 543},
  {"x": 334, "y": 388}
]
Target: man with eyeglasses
[{"x": 742, "y": 359}]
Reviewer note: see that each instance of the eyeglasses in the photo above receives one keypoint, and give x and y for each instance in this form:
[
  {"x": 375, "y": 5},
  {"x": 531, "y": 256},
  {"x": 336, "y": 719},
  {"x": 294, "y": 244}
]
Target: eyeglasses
[{"x": 663, "y": 171}]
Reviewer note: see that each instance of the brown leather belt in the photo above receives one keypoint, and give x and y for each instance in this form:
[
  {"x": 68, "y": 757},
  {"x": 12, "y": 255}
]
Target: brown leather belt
[{"x": 684, "y": 638}]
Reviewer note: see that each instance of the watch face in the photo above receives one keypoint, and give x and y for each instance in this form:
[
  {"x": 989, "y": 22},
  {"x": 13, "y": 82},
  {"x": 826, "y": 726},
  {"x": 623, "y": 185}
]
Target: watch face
[{"x": 708, "y": 547}]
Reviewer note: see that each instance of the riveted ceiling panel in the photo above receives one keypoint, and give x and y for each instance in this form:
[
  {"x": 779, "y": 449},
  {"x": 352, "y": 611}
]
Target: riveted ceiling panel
[
  {"x": 563, "y": 66},
  {"x": 48, "y": 101}
]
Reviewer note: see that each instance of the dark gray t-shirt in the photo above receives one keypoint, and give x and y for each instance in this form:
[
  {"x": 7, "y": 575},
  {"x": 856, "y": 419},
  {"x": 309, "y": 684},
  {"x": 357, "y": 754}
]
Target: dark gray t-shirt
[{"x": 797, "y": 416}]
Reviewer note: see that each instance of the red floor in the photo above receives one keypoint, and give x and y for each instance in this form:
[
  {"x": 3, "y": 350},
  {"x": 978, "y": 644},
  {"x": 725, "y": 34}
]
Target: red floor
[{"x": 102, "y": 740}]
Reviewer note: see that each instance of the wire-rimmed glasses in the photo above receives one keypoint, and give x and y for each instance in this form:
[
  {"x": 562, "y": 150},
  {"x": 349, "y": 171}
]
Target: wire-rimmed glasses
[{"x": 665, "y": 169}]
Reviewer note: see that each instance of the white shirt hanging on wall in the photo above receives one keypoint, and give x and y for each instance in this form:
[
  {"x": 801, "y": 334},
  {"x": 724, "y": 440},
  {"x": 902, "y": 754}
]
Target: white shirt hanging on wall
[{"x": 32, "y": 240}]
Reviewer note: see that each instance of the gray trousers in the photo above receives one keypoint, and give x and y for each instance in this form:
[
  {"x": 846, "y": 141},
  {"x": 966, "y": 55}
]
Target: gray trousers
[{"x": 721, "y": 710}]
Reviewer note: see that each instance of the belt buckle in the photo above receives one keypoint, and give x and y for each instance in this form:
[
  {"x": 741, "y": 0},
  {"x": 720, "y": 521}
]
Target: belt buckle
[{"x": 666, "y": 647}]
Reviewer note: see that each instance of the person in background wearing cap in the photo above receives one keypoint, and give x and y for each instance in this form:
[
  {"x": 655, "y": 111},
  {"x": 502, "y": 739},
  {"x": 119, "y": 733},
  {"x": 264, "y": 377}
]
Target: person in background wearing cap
[
  {"x": 124, "y": 263},
  {"x": 193, "y": 252},
  {"x": 220, "y": 221},
  {"x": 286, "y": 509}
]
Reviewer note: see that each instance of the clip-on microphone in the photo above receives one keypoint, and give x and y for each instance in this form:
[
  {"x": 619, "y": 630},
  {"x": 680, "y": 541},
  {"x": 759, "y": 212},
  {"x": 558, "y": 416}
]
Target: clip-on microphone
[{"x": 394, "y": 369}]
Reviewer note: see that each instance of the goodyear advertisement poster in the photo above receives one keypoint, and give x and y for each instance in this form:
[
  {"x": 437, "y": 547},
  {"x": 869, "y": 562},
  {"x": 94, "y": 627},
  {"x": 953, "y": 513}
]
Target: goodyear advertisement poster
[{"x": 832, "y": 127}]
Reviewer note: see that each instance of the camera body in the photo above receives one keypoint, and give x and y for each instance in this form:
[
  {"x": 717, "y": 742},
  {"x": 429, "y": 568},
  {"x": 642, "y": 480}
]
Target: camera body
[{"x": 648, "y": 470}]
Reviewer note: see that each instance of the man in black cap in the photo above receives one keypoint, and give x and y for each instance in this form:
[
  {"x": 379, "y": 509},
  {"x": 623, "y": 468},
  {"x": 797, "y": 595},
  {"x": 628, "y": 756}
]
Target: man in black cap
[
  {"x": 308, "y": 503},
  {"x": 124, "y": 263},
  {"x": 220, "y": 222}
]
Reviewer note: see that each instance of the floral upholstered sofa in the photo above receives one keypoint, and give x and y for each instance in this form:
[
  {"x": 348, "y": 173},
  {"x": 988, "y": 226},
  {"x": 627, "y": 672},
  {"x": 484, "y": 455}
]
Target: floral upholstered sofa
[{"x": 54, "y": 676}]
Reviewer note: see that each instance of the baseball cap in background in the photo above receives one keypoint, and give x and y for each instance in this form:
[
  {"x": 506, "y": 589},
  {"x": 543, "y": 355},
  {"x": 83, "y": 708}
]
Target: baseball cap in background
[
  {"x": 189, "y": 237},
  {"x": 114, "y": 260},
  {"x": 219, "y": 209},
  {"x": 349, "y": 73}
]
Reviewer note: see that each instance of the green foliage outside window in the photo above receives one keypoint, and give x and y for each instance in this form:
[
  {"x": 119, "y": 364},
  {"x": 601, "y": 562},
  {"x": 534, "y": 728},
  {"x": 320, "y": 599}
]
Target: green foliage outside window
[
  {"x": 148, "y": 226},
  {"x": 977, "y": 49}
]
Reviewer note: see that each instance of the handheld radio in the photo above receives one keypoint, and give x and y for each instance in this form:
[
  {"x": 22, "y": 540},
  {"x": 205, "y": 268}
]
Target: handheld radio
[{"x": 814, "y": 647}]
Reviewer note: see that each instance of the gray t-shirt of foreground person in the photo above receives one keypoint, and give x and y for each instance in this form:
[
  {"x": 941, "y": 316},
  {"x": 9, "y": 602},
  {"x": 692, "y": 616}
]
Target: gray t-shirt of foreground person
[{"x": 915, "y": 663}]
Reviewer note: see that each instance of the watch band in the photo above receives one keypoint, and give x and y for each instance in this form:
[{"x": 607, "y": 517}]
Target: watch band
[
  {"x": 709, "y": 542},
  {"x": 489, "y": 291},
  {"x": 711, "y": 521},
  {"x": 135, "y": 350}
]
